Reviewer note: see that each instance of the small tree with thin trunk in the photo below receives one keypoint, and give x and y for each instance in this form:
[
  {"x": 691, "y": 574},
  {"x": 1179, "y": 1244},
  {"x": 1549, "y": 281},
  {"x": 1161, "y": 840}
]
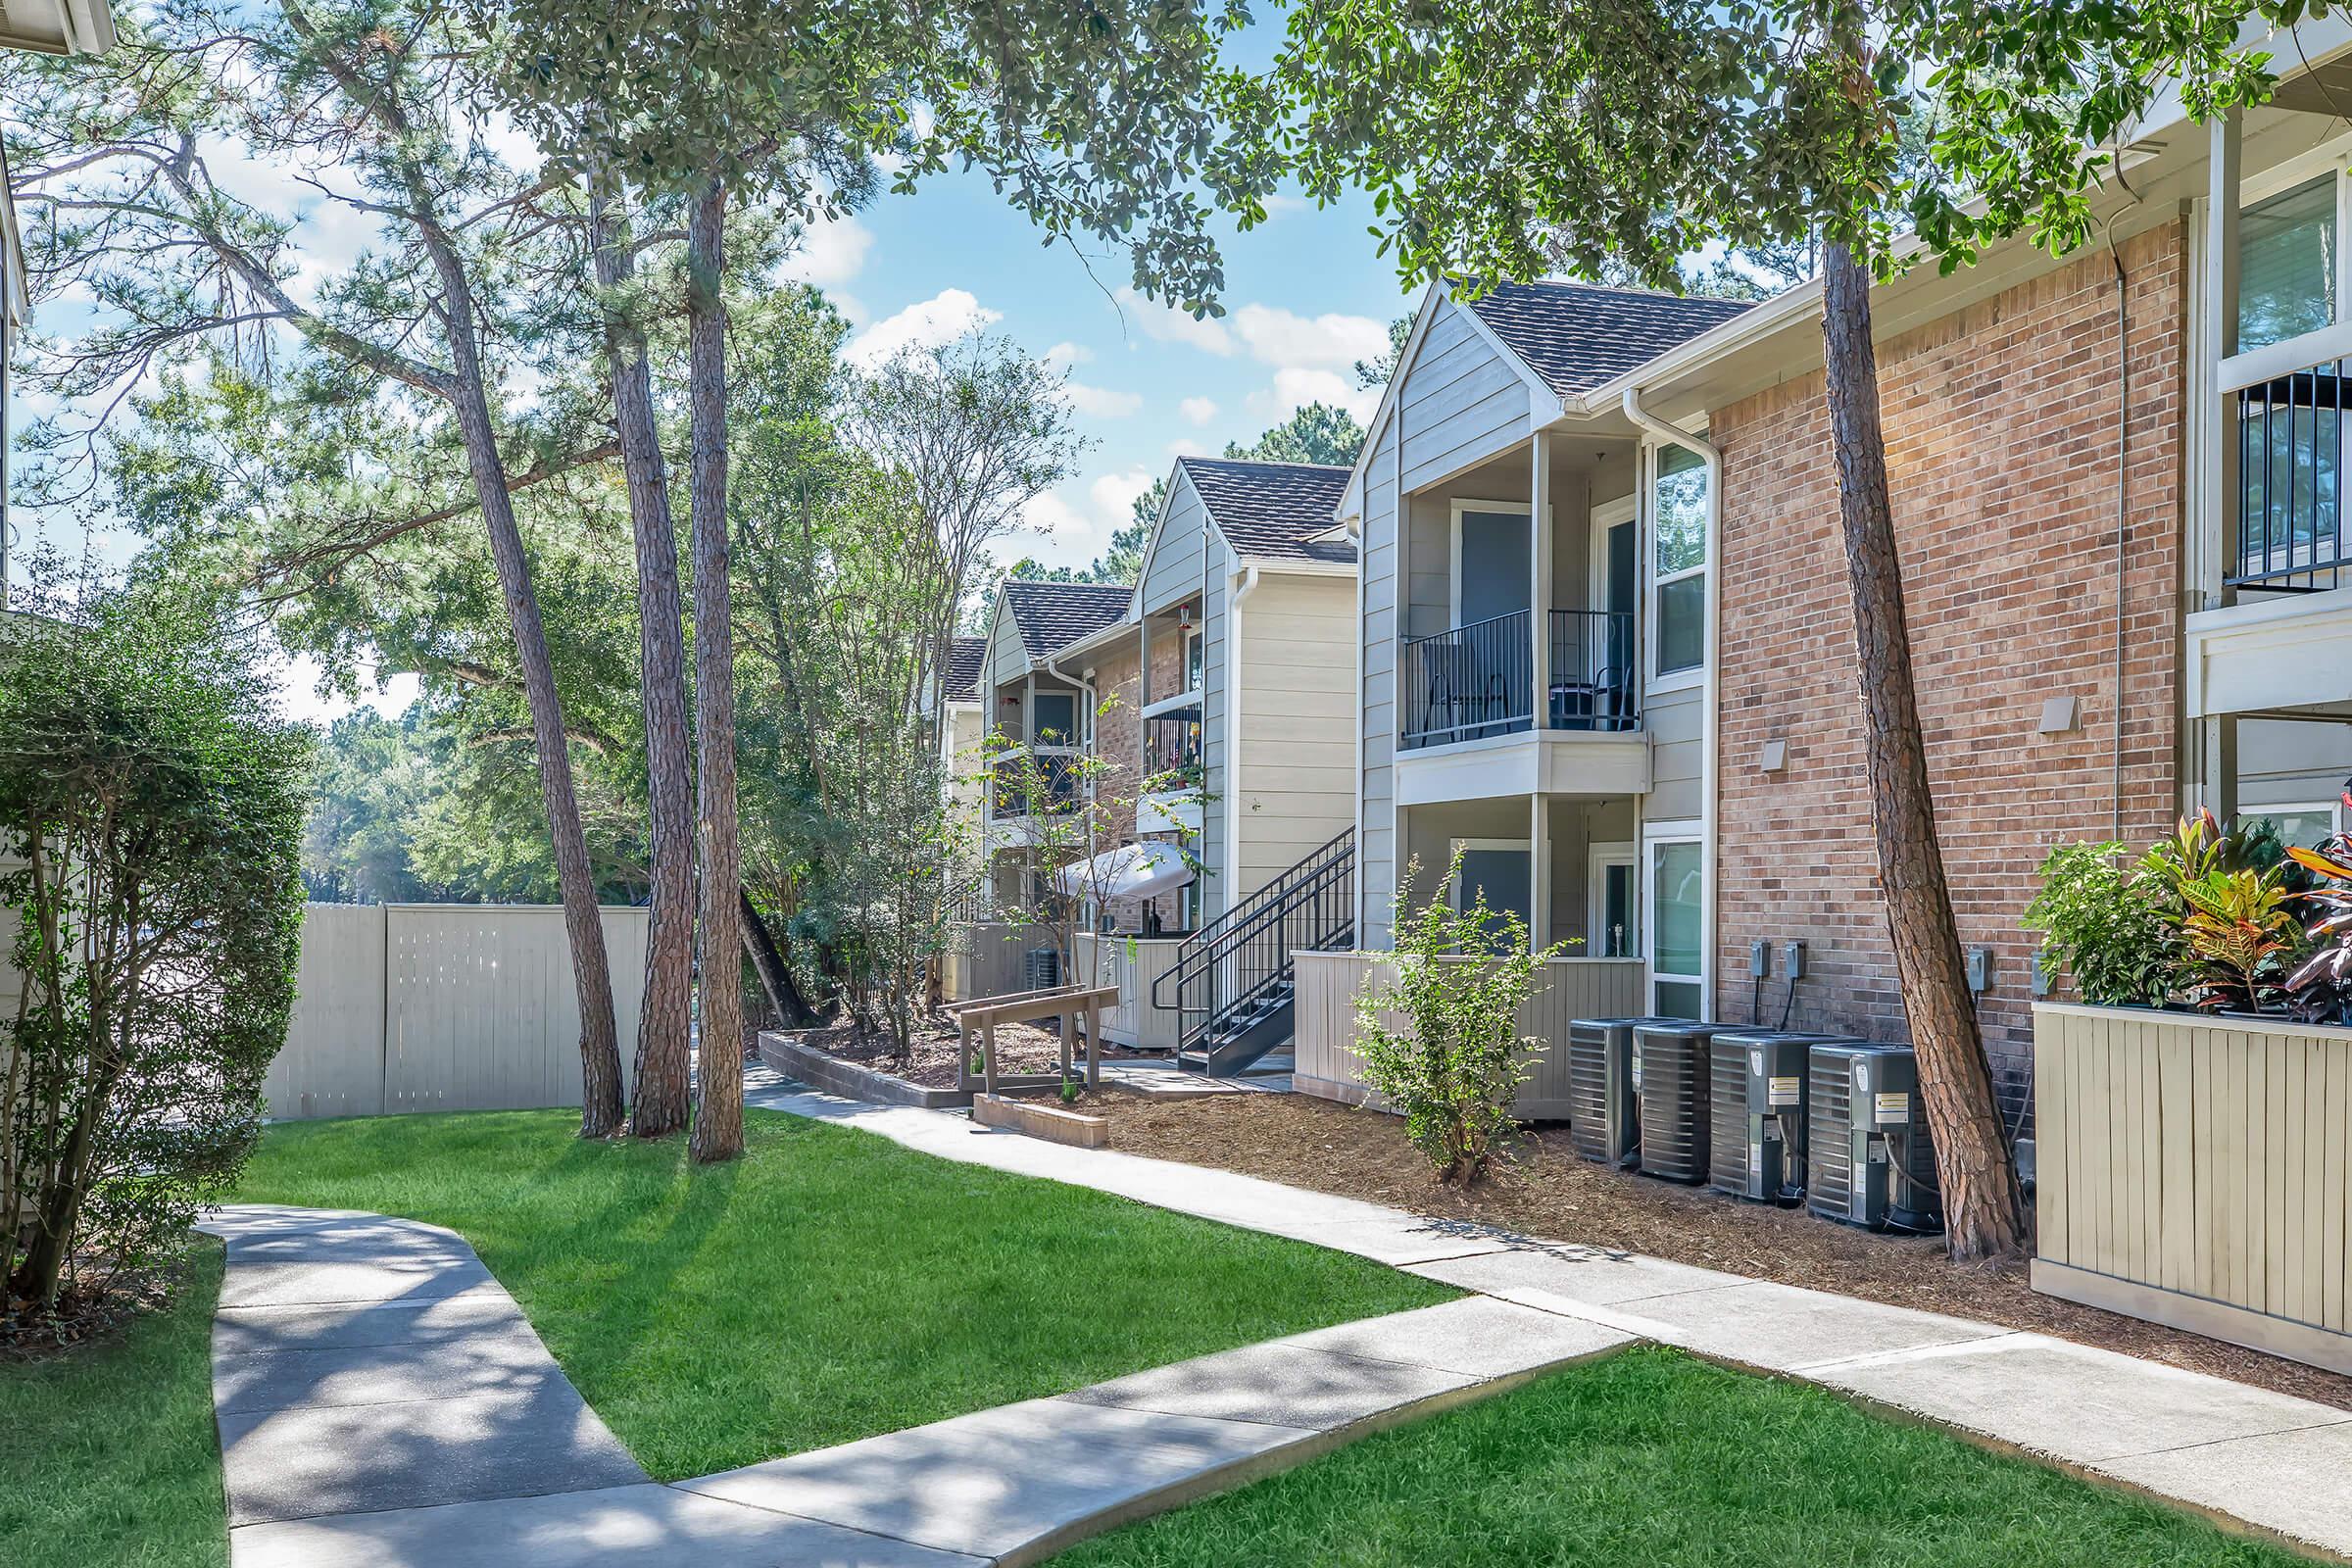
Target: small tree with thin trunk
[
  {"x": 1499, "y": 142},
  {"x": 114, "y": 155}
]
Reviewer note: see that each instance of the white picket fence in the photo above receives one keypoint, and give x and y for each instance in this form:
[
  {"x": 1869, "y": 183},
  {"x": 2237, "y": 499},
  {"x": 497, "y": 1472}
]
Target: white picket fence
[{"x": 444, "y": 1007}]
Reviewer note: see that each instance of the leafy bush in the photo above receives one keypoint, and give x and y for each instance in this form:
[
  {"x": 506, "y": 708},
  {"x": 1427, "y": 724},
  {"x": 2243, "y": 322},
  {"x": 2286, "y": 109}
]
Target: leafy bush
[
  {"x": 151, "y": 818},
  {"x": 1455, "y": 1066},
  {"x": 2104, "y": 926},
  {"x": 2228, "y": 893}
]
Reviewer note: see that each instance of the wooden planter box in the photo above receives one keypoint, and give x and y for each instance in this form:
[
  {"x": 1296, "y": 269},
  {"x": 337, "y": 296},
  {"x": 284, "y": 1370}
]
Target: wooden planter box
[{"x": 2197, "y": 1172}]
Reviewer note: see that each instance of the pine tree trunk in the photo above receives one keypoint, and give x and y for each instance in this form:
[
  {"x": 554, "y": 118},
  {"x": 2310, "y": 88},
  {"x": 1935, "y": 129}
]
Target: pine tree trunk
[
  {"x": 775, "y": 975},
  {"x": 583, "y": 921},
  {"x": 664, "y": 1027},
  {"x": 1983, "y": 1205},
  {"x": 718, "y": 1107}
]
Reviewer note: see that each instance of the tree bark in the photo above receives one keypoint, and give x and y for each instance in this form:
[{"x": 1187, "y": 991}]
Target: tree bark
[
  {"x": 1983, "y": 1204},
  {"x": 775, "y": 975},
  {"x": 718, "y": 1107},
  {"x": 664, "y": 1028},
  {"x": 464, "y": 388}
]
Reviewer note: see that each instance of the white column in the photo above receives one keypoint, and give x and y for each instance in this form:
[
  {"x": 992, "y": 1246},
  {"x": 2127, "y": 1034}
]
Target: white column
[
  {"x": 1538, "y": 874},
  {"x": 1539, "y": 586},
  {"x": 2219, "y": 497}
]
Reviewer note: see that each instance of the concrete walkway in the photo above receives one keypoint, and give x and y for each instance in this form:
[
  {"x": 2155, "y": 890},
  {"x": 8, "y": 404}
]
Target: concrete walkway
[
  {"x": 2241, "y": 1454},
  {"x": 383, "y": 1405}
]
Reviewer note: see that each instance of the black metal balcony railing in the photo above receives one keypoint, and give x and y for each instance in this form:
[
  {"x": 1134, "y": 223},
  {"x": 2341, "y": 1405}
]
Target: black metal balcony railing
[
  {"x": 1172, "y": 753},
  {"x": 2290, "y": 525},
  {"x": 1034, "y": 784},
  {"x": 1477, "y": 680}
]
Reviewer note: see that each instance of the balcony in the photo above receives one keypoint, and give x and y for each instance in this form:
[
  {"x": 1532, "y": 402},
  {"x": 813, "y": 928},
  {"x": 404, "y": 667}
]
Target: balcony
[
  {"x": 1477, "y": 681},
  {"x": 2289, "y": 534},
  {"x": 1175, "y": 772},
  {"x": 1467, "y": 725}
]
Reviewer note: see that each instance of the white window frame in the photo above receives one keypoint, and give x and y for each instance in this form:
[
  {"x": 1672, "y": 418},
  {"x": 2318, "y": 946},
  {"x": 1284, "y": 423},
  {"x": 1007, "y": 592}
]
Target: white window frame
[
  {"x": 1646, "y": 500},
  {"x": 2273, "y": 359},
  {"x": 1606, "y": 515},
  {"x": 1453, "y": 566},
  {"x": 1654, "y": 837},
  {"x": 1599, "y": 858}
]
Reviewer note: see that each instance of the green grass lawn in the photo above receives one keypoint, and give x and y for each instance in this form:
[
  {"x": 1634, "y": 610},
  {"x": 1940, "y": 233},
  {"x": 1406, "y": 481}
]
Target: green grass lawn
[
  {"x": 829, "y": 1286},
  {"x": 1655, "y": 1459},
  {"x": 108, "y": 1455}
]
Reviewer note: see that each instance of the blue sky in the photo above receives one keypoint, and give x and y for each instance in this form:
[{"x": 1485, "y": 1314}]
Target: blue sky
[{"x": 1306, "y": 297}]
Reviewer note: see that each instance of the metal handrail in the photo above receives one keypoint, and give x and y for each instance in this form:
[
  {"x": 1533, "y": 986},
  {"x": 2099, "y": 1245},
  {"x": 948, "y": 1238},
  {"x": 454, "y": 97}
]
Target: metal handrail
[
  {"x": 2291, "y": 535},
  {"x": 1479, "y": 680},
  {"x": 1245, "y": 952}
]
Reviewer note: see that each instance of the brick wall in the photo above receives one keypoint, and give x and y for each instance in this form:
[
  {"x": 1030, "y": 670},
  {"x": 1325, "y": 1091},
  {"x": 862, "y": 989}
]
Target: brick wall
[
  {"x": 1119, "y": 741},
  {"x": 2000, "y": 425}
]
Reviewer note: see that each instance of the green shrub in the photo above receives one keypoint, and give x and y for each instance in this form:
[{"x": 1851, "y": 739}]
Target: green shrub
[
  {"x": 2106, "y": 926},
  {"x": 1455, "y": 1066},
  {"x": 151, "y": 816}
]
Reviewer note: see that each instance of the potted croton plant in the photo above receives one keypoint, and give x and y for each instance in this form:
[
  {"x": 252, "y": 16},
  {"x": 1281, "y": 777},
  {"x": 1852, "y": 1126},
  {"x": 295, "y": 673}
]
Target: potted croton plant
[{"x": 2224, "y": 921}]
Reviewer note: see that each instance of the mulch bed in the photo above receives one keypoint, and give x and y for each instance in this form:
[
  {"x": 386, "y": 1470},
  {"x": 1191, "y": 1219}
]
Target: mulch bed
[
  {"x": 93, "y": 1316},
  {"x": 1548, "y": 1192},
  {"x": 1020, "y": 1047}
]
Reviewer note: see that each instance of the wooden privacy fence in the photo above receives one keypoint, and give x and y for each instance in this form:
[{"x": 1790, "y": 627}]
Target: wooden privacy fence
[
  {"x": 2197, "y": 1171},
  {"x": 1132, "y": 965},
  {"x": 987, "y": 958},
  {"x": 1568, "y": 987},
  {"x": 444, "y": 1007}
]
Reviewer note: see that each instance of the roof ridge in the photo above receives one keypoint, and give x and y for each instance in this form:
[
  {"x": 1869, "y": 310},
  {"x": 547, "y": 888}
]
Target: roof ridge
[
  {"x": 1273, "y": 463},
  {"x": 1618, "y": 288}
]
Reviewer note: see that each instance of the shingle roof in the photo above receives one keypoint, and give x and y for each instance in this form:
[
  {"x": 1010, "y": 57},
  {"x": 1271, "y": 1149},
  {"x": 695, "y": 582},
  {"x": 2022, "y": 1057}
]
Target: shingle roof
[
  {"x": 1578, "y": 335},
  {"x": 1052, "y": 615},
  {"x": 1273, "y": 510},
  {"x": 965, "y": 656}
]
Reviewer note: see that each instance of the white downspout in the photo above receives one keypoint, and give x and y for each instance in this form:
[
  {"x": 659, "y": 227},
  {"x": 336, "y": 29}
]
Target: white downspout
[
  {"x": 1243, "y": 584},
  {"x": 1708, "y": 737}
]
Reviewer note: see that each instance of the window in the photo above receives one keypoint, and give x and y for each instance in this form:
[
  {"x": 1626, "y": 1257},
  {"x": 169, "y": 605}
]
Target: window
[
  {"x": 2307, "y": 825},
  {"x": 1678, "y": 574},
  {"x": 1678, "y": 929},
  {"x": 1053, "y": 718},
  {"x": 2286, "y": 265},
  {"x": 1192, "y": 659}
]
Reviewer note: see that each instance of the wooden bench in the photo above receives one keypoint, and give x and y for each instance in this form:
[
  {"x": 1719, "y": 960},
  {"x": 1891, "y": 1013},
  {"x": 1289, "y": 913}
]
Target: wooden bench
[{"x": 1069, "y": 1003}]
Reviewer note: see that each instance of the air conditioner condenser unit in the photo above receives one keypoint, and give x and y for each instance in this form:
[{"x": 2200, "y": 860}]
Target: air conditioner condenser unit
[
  {"x": 1673, "y": 1058},
  {"x": 1871, "y": 1162},
  {"x": 1757, "y": 1103},
  {"x": 1605, "y": 1120}
]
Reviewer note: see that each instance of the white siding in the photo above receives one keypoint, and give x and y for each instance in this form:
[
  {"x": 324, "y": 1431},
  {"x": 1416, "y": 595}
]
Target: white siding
[
  {"x": 1007, "y": 660},
  {"x": 1293, "y": 785},
  {"x": 1676, "y": 721},
  {"x": 1174, "y": 572},
  {"x": 1217, "y": 894},
  {"x": 1462, "y": 401},
  {"x": 1376, "y": 835}
]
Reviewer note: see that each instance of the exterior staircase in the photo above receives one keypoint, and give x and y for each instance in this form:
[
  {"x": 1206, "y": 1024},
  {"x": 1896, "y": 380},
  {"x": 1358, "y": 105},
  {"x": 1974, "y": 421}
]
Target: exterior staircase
[{"x": 1233, "y": 980}]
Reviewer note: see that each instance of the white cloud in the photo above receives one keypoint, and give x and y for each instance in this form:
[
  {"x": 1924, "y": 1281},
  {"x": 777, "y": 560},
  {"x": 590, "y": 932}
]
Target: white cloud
[
  {"x": 1061, "y": 356},
  {"x": 1294, "y": 388},
  {"x": 1330, "y": 342},
  {"x": 1165, "y": 323},
  {"x": 830, "y": 255},
  {"x": 931, "y": 324},
  {"x": 1078, "y": 521},
  {"x": 1198, "y": 410},
  {"x": 1101, "y": 401}
]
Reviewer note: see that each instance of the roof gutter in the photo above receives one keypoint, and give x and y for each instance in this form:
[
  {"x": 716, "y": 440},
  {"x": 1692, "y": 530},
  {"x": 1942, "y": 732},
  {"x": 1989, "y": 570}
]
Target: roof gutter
[{"x": 1709, "y": 738}]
